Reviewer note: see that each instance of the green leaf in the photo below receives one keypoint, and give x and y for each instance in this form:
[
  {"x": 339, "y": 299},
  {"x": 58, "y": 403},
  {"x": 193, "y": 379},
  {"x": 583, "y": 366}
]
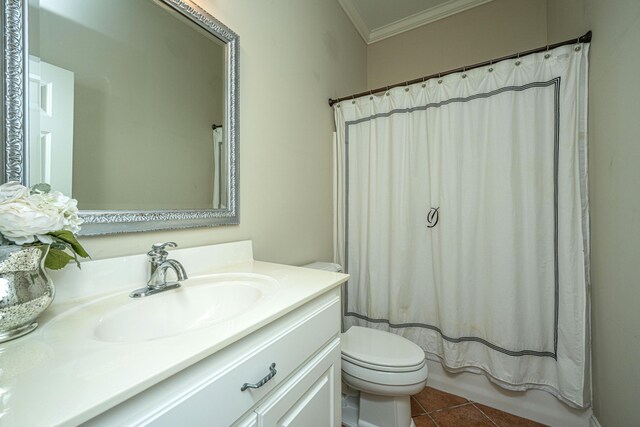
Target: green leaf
[
  {"x": 67, "y": 236},
  {"x": 43, "y": 187},
  {"x": 57, "y": 259}
]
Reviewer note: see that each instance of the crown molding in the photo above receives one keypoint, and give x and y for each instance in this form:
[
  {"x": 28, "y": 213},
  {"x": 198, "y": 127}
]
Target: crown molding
[{"x": 416, "y": 20}]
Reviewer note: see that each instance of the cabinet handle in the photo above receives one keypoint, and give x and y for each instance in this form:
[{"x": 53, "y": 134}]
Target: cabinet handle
[{"x": 272, "y": 373}]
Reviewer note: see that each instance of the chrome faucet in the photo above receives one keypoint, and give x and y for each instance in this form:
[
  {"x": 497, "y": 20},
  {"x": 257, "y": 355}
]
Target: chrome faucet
[{"x": 158, "y": 274}]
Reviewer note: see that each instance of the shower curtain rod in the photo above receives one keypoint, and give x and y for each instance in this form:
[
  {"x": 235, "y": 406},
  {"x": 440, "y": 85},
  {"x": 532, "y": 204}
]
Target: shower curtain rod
[{"x": 582, "y": 39}]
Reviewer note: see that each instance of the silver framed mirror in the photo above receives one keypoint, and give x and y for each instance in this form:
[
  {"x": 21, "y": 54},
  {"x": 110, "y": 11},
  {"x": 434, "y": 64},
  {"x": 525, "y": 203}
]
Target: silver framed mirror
[{"x": 197, "y": 118}]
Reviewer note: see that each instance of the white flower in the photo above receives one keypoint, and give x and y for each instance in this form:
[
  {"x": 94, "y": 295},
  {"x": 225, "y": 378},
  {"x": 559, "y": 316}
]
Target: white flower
[
  {"x": 12, "y": 191},
  {"x": 65, "y": 207},
  {"x": 25, "y": 216}
]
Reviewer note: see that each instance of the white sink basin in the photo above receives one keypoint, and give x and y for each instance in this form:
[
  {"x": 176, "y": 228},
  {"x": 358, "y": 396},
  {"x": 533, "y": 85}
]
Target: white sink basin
[{"x": 200, "y": 302}]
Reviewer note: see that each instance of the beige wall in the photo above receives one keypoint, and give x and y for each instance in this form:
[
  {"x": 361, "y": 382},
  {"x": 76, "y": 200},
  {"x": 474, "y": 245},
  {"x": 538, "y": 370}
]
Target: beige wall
[
  {"x": 566, "y": 19},
  {"x": 294, "y": 55},
  {"x": 495, "y": 29},
  {"x": 614, "y": 161}
]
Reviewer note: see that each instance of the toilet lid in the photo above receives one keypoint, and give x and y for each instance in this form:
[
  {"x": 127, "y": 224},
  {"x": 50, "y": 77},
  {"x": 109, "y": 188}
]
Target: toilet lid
[{"x": 380, "y": 348}]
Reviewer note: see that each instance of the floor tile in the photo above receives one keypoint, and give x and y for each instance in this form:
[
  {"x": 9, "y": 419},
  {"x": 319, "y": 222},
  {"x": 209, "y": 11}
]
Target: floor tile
[
  {"x": 432, "y": 399},
  {"x": 424, "y": 421},
  {"x": 504, "y": 419},
  {"x": 416, "y": 409},
  {"x": 465, "y": 415}
]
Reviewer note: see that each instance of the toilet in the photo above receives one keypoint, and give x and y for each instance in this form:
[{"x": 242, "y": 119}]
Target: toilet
[{"x": 380, "y": 371}]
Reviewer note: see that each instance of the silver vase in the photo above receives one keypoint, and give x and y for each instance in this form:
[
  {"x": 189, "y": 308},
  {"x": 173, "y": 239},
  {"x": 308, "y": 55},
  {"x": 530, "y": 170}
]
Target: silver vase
[{"x": 25, "y": 289}]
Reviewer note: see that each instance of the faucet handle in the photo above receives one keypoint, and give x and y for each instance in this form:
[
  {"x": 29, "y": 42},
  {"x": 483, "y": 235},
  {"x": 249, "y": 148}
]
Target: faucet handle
[
  {"x": 161, "y": 246},
  {"x": 158, "y": 250}
]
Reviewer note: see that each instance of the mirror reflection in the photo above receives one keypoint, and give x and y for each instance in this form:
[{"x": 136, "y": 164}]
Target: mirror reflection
[{"x": 126, "y": 106}]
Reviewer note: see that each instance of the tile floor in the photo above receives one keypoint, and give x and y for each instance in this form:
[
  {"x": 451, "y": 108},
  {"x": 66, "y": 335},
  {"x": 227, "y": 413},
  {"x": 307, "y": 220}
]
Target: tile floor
[{"x": 435, "y": 408}]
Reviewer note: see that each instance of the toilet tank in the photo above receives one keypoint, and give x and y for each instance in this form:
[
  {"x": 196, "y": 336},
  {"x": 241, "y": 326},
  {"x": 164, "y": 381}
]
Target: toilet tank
[{"x": 326, "y": 266}]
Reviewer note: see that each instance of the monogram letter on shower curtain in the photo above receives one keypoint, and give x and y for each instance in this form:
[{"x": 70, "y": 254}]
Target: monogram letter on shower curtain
[{"x": 466, "y": 221}]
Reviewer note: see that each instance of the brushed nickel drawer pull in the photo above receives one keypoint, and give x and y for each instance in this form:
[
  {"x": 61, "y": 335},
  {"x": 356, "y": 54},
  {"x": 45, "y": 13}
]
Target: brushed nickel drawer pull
[{"x": 272, "y": 373}]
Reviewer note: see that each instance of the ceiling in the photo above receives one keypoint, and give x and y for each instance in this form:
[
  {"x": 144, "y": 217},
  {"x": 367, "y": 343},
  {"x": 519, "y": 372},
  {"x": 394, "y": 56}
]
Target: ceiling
[{"x": 376, "y": 20}]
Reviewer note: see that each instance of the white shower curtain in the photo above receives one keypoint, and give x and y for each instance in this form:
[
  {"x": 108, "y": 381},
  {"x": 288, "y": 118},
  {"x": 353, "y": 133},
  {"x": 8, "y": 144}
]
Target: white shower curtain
[{"x": 465, "y": 215}]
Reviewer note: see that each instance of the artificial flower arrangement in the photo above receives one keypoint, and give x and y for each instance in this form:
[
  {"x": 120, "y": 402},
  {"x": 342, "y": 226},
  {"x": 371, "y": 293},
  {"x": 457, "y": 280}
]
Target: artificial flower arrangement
[{"x": 40, "y": 215}]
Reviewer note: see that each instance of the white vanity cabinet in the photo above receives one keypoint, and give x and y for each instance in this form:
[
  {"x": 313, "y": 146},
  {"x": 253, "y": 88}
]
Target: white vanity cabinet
[{"x": 305, "y": 391}]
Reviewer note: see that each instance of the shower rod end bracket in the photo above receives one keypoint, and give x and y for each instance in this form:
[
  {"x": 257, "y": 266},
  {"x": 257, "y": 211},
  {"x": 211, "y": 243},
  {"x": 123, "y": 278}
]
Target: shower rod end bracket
[{"x": 586, "y": 38}]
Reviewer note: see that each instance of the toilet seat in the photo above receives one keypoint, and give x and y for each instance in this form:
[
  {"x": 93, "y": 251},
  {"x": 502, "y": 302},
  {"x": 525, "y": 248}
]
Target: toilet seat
[
  {"x": 382, "y": 368},
  {"x": 381, "y": 350},
  {"x": 383, "y": 362}
]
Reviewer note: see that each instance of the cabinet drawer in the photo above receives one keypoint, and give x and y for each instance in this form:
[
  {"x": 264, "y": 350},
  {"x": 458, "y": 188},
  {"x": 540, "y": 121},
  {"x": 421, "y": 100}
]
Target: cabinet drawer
[{"x": 209, "y": 392}]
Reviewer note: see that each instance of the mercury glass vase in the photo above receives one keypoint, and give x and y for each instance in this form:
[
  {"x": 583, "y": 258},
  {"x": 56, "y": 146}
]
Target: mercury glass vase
[{"x": 25, "y": 289}]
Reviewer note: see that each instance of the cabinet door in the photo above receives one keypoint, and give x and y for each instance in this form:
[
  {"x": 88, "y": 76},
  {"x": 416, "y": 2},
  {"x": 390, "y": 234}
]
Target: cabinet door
[
  {"x": 311, "y": 397},
  {"x": 250, "y": 420}
]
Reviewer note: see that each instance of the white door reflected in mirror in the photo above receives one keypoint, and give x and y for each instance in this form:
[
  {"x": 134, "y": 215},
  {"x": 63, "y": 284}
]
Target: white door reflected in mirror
[{"x": 51, "y": 131}]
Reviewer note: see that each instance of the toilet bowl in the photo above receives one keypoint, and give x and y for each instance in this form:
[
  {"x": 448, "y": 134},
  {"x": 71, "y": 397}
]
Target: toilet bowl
[
  {"x": 386, "y": 369},
  {"x": 380, "y": 372}
]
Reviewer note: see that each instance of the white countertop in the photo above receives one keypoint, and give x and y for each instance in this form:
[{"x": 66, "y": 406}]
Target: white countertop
[{"x": 65, "y": 376}]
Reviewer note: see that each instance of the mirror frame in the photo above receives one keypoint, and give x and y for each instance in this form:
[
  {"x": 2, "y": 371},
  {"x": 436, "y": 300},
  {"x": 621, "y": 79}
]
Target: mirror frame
[{"x": 15, "y": 115}]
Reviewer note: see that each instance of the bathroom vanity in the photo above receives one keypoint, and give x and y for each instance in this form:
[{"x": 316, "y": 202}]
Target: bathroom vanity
[{"x": 266, "y": 353}]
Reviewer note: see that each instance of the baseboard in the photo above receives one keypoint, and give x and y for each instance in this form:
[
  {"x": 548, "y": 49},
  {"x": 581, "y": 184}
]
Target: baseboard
[{"x": 535, "y": 405}]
